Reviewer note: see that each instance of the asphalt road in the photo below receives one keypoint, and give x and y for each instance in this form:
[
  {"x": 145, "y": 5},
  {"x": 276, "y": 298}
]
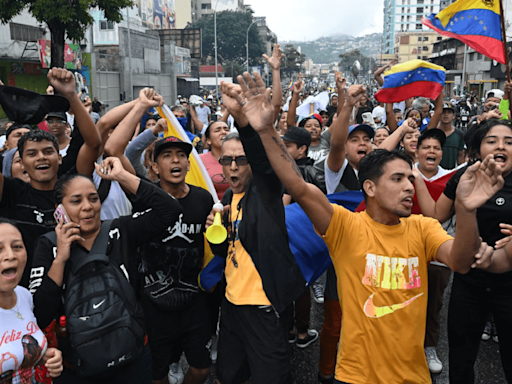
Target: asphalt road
[{"x": 304, "y": 362}]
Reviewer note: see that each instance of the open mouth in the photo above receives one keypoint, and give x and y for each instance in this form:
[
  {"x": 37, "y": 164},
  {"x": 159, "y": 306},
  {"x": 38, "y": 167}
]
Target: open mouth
[
  {"x": 361, "y": 153},
  {"x": 500, "y": 159},
  {"x": 9, "y": 273},
  {"x": 88, "y": 219},
  {"x": 431, "y": 160},
  {"x": 407, "y": 202},
  {"x": 42, "y": 167},
  {"x": 235, "y": 181},
  {"x": 176, "y": 171}
]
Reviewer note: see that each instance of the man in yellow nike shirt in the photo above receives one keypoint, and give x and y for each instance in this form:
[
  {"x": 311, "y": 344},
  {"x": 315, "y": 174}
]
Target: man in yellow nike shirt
[{"x": 380, "y": 255}]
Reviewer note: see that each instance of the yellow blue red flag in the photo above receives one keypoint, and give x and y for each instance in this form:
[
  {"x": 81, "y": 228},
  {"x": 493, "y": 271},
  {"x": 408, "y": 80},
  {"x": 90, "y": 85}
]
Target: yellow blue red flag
[
  {"x": 477, "y": 23},
  {"x": 410, "y": 79}
]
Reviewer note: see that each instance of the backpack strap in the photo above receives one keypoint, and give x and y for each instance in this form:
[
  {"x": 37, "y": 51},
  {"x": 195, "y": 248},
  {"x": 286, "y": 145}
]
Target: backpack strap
[{"x": 98, "y": 252}]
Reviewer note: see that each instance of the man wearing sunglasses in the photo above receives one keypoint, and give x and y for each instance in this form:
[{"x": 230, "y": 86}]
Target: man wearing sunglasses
[{"x": 262, "y": 276}]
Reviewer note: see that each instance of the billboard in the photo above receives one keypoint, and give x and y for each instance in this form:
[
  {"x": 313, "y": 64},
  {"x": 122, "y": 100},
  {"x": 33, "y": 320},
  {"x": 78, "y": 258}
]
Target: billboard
[
  {"x": 72, "y": 57},
  {"x": 157, "y": 14},
  {"x": 183, "y": 61}
]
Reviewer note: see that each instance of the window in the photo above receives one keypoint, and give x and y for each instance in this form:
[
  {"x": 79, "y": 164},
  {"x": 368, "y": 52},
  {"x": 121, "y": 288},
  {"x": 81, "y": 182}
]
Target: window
[
  {"x": 439, "y": 38},
  {"x": 106, "y": 25},
  {"x": 419, "y": 26},
  {"x": 206, "y": 6},
  {"x": 425, "y": 38},
  {"x": 479, "y": 56},
  {"x": 419, "y": 10},
  {"x": 472, "y": 56},
  {"x": 425, "y": 48},
  {"x": 424, "y": 58}
]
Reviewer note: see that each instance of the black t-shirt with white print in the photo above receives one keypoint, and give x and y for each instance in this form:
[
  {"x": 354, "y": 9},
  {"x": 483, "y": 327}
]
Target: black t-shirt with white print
[
  {"x": 32, "y": 210},
  {"x": 498, "y": 209},
  {"x": 126, "y": 234},
  {"x": 172, "y": 260}
]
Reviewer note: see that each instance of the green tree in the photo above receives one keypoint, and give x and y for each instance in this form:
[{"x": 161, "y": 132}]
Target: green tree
[
  {"x": 231, "y": 37},
  {"x": 292, "y": 60},
  {"x": 63, "y": 17}
]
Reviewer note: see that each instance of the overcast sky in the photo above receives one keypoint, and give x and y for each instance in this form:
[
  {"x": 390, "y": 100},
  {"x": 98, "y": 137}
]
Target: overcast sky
[{"x": 310, "y": 19}]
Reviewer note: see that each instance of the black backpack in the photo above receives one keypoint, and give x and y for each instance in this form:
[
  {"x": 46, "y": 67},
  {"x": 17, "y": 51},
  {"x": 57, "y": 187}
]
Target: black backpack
[{"x": 100, "y": 307}]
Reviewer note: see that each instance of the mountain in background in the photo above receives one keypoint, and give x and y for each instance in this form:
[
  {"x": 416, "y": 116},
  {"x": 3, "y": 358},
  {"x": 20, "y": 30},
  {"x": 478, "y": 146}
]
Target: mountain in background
[{"x": 326, "y": 50}]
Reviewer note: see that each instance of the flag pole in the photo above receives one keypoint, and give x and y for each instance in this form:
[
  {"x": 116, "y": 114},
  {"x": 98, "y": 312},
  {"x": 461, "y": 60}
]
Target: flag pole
[{"x": 505, "y": 49}]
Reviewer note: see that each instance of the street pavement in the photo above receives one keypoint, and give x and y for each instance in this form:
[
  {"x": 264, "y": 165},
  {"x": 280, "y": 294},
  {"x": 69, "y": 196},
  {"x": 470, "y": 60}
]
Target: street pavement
[{"x": 304, "y": 362}]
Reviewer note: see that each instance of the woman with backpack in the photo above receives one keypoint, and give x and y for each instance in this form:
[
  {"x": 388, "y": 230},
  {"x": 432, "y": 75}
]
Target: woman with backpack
[
  {"x": 23, "y": 345},
  {"x": 87, "y": 271}
]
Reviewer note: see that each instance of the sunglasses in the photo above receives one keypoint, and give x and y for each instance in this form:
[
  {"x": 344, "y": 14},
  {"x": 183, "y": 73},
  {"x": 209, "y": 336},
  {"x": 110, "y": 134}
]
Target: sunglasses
[{"x": 239, "y": 160}]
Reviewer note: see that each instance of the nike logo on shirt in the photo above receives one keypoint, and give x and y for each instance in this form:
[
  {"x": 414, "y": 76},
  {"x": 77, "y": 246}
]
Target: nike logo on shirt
[{"x": 371, "y": 310}]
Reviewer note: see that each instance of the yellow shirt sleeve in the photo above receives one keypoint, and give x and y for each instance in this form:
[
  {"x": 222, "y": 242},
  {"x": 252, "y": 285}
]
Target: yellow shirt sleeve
[
  {"x": 340, "y": 220},
  {"x": 435, "y": 236}
]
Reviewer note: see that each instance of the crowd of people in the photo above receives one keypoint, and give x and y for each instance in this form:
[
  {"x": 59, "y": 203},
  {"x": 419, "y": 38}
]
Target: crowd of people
[{"x": 102, "y": 240}]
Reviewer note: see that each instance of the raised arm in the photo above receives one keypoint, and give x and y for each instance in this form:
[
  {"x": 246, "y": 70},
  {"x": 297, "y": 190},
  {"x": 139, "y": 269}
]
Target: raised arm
[
  {"x": 391, "y": 142},
  {"x": 340, "y": 86},
  {"x": 63, "y": 82},
  {"x": 339, "y": 129},
  {"x": 118, "y": 140},
  {"x": 378, "y": 73},
  {"x": 438, "y": 110},
  {"x": 477, "y": 185},
  {"x": 257, "y": 107},
  {"x": 391, "y": 118},
  {"x": 441, "y": 210},
  {"x": 275, "y": 63},
  {"x": 297, "y": 89}
]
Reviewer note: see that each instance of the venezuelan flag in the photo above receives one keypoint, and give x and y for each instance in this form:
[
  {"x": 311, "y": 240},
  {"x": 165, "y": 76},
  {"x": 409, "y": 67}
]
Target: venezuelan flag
[
  {"x": 412, "y": 78},
  {"x": 290, "y": 86},
  {"x": 476, "y": 23},
  {"x": 198, "y": 175}
]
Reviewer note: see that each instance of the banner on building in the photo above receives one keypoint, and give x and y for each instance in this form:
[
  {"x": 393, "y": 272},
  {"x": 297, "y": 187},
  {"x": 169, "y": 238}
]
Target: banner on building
[
  {"x": 72, "y": 57},
  {"x": 157, "y": 14},
  {"x": 183, "y": 61}
]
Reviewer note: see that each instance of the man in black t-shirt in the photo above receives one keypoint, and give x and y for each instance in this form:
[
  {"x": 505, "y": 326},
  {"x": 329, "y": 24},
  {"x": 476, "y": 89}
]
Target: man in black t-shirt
[
  {"x": 97, "y": 106},
  {"x": 176, "y": 311},
  {"x": 32, "y": 205}
]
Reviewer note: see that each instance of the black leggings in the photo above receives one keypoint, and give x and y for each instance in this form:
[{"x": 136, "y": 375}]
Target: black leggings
[{"x": 470, "y": 306}]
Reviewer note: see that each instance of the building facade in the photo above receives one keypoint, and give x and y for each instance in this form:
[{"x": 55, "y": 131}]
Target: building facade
[{"x": 405, "y": 16}]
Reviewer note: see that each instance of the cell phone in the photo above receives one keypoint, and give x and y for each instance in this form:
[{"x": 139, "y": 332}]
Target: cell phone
[{"x": 60, "y": 213}]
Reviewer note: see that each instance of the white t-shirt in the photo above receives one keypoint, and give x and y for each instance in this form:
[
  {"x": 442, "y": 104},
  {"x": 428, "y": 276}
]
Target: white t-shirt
[
  {"x": 379, "y": 113},
  {"x": 202, "y": 114},
  {"x": 21, "y": 340},
  {"x": 116, "y": 204}
]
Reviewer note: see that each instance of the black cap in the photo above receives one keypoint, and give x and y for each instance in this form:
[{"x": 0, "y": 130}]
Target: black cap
[
  {"x": 59, "y": 115},
  {"x": 449, "y": 106},
  {"x": 14, "y": 127},
  {"x": 27, "y": 107},
  {"x": 432, "y": 133},
  {"x": 298, "y": 135},
  {"x": 171, "y": 141}
]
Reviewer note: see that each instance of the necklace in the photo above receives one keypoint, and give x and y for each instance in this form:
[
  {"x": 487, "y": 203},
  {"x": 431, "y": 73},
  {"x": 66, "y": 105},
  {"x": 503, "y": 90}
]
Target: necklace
[{"x": 15, "y": 309}]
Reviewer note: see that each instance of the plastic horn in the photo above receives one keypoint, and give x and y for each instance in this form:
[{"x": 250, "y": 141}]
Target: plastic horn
[{"x": 216, "y": 233}]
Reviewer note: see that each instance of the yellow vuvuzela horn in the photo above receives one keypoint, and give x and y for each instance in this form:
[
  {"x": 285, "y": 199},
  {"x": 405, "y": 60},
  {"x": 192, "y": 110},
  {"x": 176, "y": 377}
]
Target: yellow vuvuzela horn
[{"x": 216, "y": 233}]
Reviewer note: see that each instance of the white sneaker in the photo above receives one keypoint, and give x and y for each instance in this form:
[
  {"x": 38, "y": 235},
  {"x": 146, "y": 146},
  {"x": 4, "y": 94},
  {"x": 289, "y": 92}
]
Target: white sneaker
[
  {"x": 434, "y": 364},
  {"x": 213, "y": 350},
  {"x": 486, "y": 335},
  {"x": 176, "y": 375},
  {"x": 318, "y": 293}
]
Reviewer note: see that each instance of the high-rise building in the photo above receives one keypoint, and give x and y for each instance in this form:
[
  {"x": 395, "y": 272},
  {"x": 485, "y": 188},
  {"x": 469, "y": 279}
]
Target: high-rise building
[{"x": 405, "y": 16}]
